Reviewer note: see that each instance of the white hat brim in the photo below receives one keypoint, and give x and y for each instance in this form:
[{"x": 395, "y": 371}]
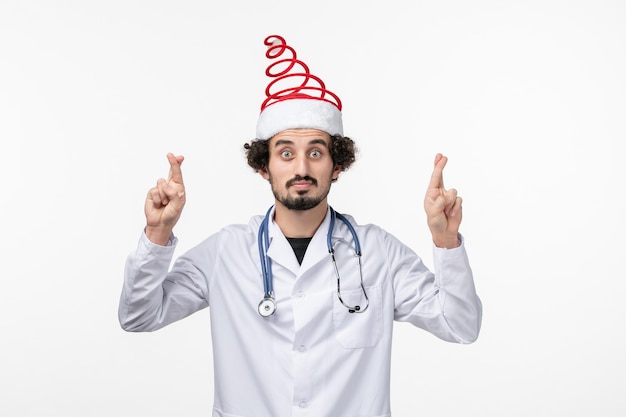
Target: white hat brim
[{"x": 299, "y": 114}]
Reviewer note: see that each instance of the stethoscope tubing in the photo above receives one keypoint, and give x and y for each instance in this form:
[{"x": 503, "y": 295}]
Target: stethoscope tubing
[
  {"x": 266, "y": 266},
  {"x": 331, "y": 227}
]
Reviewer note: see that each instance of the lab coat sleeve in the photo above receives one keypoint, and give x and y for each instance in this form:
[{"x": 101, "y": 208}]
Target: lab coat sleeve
[
  {"x": 152, "y": 296},
  {"x": 445, "y": 303}
]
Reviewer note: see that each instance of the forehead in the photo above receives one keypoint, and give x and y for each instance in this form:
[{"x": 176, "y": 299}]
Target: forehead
[{"x": 300, "y": 137}]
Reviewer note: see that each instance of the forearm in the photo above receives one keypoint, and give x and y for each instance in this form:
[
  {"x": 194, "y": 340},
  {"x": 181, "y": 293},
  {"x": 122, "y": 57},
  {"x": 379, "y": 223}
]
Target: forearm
[
  {"x": 151, "y": 296},
  {"x": 142, "y": 293},
  {"x": 460, "y": 305},
  {"x": 443, "y": 303}
]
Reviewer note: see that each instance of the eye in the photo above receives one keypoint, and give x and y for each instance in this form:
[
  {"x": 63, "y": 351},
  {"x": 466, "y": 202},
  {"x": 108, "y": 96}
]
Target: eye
[
  {"x": 285, "y": 154},
  {"x": 315, "y": 154}
]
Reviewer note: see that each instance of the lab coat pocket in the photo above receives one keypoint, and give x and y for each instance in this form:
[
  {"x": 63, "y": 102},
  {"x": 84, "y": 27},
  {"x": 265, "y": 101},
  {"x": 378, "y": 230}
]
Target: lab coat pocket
[{"x": 358, "y": 330}]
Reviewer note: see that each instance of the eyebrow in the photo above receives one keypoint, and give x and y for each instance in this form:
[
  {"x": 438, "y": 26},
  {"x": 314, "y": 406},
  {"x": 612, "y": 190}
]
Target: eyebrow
[{"x": 311, "y": 142}]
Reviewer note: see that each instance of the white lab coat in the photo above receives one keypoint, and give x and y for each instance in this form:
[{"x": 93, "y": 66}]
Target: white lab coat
[{"x": 312, "y": 357}]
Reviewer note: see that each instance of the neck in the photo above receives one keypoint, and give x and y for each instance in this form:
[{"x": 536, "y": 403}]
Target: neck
[{"x": 300, "y": 223}]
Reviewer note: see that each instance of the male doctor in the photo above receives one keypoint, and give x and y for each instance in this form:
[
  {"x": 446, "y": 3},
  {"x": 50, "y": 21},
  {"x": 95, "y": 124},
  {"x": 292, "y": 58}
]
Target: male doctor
[{"x": 301, "y": 323}]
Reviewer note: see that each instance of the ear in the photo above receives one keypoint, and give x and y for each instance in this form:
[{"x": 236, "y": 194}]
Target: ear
[
  {"x": 336, "y": 171},
  {"x": 264, "y": 173}
]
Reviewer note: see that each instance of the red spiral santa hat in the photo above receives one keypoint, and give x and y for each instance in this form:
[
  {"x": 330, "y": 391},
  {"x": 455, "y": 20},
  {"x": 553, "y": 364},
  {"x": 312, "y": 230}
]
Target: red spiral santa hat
[{"x": 295, "y": 98}]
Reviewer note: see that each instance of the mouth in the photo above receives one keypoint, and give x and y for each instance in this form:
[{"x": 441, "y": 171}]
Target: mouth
[{"x": 301, "y": 184}]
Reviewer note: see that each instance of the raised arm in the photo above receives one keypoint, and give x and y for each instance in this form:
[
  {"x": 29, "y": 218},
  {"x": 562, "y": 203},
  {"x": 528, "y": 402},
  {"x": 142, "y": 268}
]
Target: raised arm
[
  {"x": 154, "y": 295},
  {"x": 443, "y": 208},
  {"x": 165, "y": 203}
]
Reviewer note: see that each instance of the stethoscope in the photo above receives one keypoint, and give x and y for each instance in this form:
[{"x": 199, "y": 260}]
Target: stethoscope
[{"x": 267, "y": 306}]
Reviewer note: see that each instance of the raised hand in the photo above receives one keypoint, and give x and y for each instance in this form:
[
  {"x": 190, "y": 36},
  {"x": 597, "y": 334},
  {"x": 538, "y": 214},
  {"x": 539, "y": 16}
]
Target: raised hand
[
  {"x": 443, "y": 208},
  {"x": 165, "y": 203}
]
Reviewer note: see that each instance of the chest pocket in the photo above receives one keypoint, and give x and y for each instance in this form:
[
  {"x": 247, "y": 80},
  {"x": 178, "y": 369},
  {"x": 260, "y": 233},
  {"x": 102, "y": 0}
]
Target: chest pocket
[{"x": 358, "y": 330}]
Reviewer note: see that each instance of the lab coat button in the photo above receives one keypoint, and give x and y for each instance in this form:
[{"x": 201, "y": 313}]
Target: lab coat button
[
  {"x": 303, "y": 404},
  {"x": 300, "y": 294},
  {"x": 302, "y": 348}
]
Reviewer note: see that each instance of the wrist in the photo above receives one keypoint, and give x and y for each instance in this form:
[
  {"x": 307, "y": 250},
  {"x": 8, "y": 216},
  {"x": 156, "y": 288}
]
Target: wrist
[
  {"x": 447, "y": 241},
  {"x": 158, "y": 235}
]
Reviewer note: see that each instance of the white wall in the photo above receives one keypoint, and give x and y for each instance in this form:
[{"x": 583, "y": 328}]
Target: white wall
[{"x": 527, "y": 98}]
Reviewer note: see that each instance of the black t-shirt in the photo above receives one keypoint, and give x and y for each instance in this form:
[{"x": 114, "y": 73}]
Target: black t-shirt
[{"x": 299, "y": 245}]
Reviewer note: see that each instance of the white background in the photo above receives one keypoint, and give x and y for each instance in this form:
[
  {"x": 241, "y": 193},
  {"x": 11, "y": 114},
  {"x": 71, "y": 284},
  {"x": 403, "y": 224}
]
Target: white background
[{"x": 527, "y": 98}]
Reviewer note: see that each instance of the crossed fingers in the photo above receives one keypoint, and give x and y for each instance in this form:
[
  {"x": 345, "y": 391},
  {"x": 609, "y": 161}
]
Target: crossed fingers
[
  {"x": 166, "y": 190},
  {"x": 450, "y": 204}
]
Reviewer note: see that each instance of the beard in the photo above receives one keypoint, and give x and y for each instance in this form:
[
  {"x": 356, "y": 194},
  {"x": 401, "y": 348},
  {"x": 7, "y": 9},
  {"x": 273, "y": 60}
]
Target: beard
[{"x": 300, "y": 202}]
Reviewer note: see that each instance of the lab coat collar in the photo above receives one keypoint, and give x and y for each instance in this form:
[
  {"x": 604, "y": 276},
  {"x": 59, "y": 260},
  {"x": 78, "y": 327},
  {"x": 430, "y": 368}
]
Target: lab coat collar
[{"x": 281, "y": 252}]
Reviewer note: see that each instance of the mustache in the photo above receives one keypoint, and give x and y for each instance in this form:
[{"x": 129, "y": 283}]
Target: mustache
[{"x": 299, "y": 178}]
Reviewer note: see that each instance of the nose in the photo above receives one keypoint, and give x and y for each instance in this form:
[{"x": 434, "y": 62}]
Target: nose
[{"x": 301, "y": 166}]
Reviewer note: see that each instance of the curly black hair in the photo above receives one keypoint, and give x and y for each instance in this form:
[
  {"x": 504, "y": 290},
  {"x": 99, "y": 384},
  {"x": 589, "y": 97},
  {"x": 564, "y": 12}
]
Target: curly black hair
[{"x": 342, "y": 149}]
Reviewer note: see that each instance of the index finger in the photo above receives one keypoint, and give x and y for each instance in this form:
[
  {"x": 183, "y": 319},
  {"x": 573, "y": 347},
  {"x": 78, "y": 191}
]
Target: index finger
[
  {"x": 176, "y": 174},
  {"x": 436, "y": 180}
]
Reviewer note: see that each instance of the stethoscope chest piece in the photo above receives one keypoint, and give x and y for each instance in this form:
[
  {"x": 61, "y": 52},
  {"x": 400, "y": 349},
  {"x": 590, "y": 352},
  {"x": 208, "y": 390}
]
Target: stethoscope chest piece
[{"x": 267, "y": 307}]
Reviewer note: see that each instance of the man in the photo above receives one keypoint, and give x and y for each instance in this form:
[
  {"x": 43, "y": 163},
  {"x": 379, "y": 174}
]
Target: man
[{"x": 300, "y": 325}]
